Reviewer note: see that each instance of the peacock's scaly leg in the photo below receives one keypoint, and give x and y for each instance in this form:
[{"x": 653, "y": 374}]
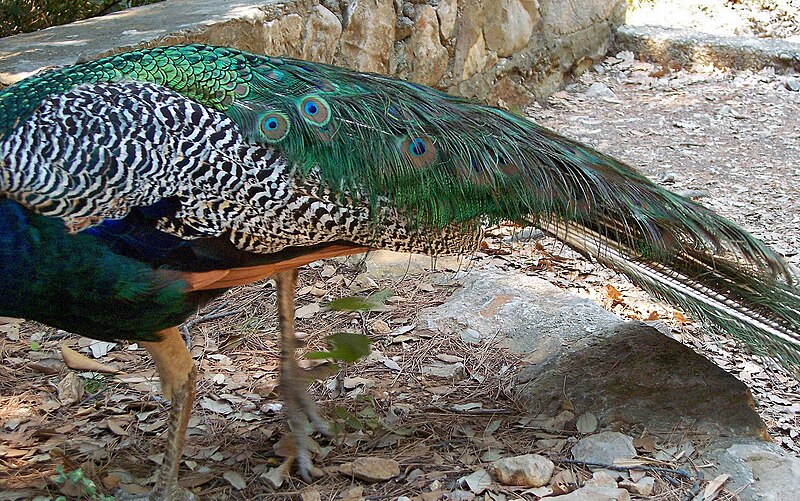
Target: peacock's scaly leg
[
  {"x": 300, "y": 408},
  {"x": 178, "y": 376}
]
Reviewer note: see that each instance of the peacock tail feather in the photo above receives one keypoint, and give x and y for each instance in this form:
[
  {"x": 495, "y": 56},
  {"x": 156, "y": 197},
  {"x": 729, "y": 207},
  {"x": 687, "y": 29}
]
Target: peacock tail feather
[{"x": 429, "y": 163}]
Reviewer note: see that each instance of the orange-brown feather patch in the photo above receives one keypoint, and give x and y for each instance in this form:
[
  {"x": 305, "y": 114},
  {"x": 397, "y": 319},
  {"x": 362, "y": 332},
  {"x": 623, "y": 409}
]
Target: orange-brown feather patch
[{"x": 220, "y": 279}]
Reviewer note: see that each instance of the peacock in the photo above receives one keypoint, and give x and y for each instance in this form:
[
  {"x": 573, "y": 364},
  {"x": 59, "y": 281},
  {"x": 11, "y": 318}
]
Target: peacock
[{"x": 136, "y": 187}]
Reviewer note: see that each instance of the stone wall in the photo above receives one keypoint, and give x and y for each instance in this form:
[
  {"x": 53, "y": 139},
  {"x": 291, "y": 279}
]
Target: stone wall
[{"x": 501, "y": 51}]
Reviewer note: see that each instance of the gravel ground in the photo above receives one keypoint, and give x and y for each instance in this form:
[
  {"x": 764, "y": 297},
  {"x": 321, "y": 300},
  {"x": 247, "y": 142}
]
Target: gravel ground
[{"x": 761, "y": 18}]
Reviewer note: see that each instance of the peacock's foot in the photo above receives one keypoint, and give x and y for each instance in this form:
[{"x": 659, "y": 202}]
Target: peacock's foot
[
  {"x": 177, "y": 493},
  {"x": 172, "y": 493},
  {"x": 304, "y": 420}
]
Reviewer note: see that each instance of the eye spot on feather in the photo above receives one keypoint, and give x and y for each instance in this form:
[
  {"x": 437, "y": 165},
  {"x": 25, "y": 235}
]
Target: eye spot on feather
[
  {"x": 420, "y": 150},
  {"x": 315, "y": 111},
  {"x": 274, "y": 127},
  {"x": 417, "y": 147}
]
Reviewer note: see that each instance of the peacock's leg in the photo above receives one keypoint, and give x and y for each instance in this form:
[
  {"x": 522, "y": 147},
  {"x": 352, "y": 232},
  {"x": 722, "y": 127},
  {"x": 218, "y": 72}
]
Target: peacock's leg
[
  {"x": 300, "y": 408},
  {"x": 178, "y": 376}
]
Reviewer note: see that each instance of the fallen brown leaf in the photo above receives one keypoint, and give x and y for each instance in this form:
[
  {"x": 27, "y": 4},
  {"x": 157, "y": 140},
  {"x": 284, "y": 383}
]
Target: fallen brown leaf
[{"x": 78, "y": 362}]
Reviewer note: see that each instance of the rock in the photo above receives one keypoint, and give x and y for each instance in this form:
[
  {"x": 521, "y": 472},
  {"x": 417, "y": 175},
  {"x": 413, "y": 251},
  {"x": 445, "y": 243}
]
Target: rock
[
  {"x": 371, "y": 469},
  {"x": 508, "y": 25},
  {"x": 491, "y": 301},
  {"x": 760, "y": 471},
  {"x": 594, "y": 494},
  {"x": 404, "y": 28},
  {"x": 530, "y": 470},
  {"x": 426, "y": 58},
  {"x": 441, "y": 369},
  {"x": 470, "y": 56},
  {"x": 627, "y": 374},
  {"x": 564, "y": 17},
  {"x": 604, "y": 448},
  {"x": 601, "y": 91},
  {"x": 683, "y": 47},
  {"x": 601, "y": 479},
  {"x": 643, "y": 487},
  {"x": 560, "y": 421},
  {"x": 793, "y": 84},
  {"x": 447, "y": 12},
  {"x": 284, "y": 36},
  {"x": 323, "y": 30},
  {"x": 368, "y": 35},
  {"x": 388, "y": 264},
  {"x": 508, "y": 94},
  {"x": 586, "y": 423}
]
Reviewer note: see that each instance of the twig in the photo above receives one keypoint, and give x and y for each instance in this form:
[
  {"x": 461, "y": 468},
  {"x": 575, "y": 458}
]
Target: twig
[
  {"x": 214, "y": 314},
  {"x": 696, "y": 479},
  {"x": 655, "y": 469}
]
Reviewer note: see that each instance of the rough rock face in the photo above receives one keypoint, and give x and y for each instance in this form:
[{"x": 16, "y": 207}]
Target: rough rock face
[
  {"x": 486, "y": 49},
  {"x": 424, "y": 56},
  {"x": 631, "y": 374},
  {"x": 508, "y": 25},
  {"x": 368, "y": 35},
  {"x": 323, "y": 30}
]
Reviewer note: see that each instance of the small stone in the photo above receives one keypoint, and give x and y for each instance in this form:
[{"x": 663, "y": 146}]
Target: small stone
[
  {"x": 530, "y": 470},
  {"x": 793, "y": 84},
  {"x": 601, "y": 91},
  {"x": 594, "y": 494},
  {"x": 604, "y": 448},
  {"x": 372, "y": 469},
  {"x": 560, "y": 422},
  {"x": 586, "y": 423},
  {"x": 380, "y": 327},
  {"x": 440, "y": 369},
  {"x": 602, "y": 479},
  {"x": 404, "y": 28},
  {"x": 643, "y": 487}
]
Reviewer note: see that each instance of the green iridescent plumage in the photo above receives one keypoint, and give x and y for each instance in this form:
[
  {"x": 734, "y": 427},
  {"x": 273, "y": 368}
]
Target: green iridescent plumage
[{"x": 445, "y": 160}]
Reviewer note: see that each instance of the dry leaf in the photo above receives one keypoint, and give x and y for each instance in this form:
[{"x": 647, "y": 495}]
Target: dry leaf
[
  {"x": 100, "y": 348},
  {"x": 478, "y": 482},
  {"x": 307, "y": 311},
  {"x": 78, "y": 362},
  {"x": 116, "y": 427},
  {"x": 235, "y": 479},
  {"x": 70, "y": 389},
  {"x": 215, "y": 406},
  {"x": 715, "y": 487},
  {"x": 680, "y": 317},
  {"x": 612, "y": 293}
]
